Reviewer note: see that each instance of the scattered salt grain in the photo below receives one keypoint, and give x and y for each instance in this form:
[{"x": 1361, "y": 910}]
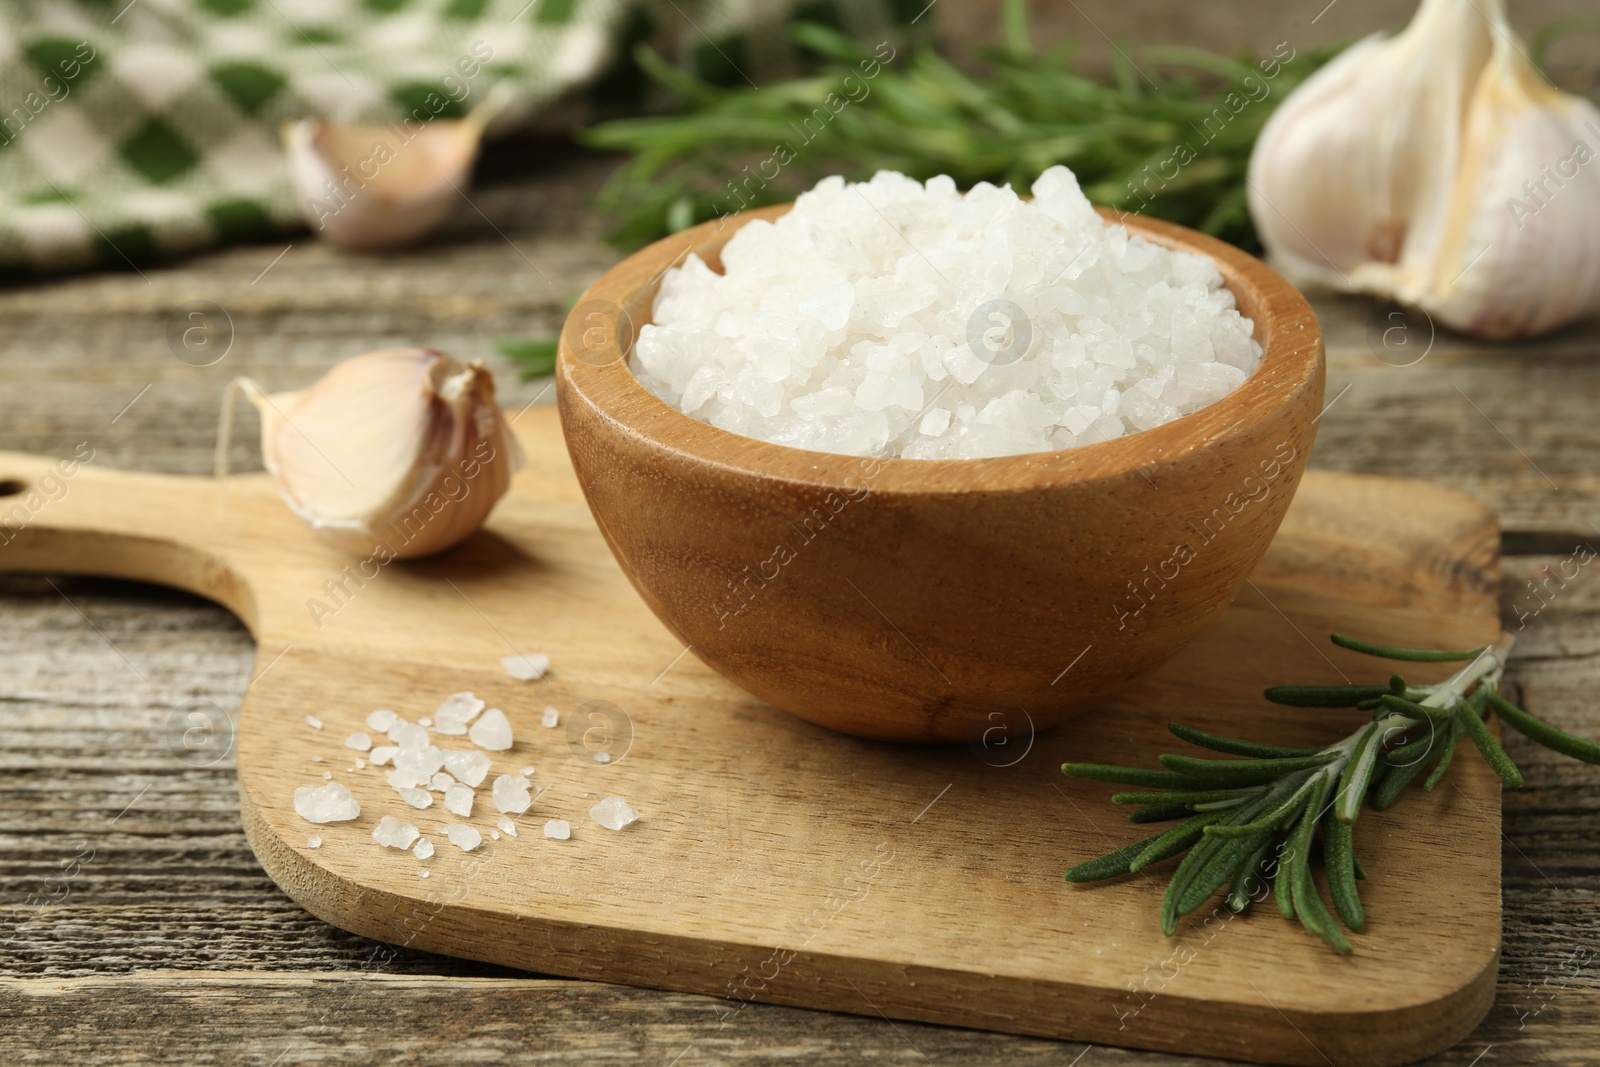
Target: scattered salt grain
[
  {"x": 467, "y": 766},
  {"x": 602, "y": 757},
  {"x": 456, "y": 712},
  {"x": 458, "y": 800},
  {"x": 394, "y": 833},
  {"x": 417, "y": 798},
  {"x": 507, "y": 826},
  {"x": 440, "y": 782},
  {"x": 408, "y": 735},
  {"x": 361, "y": 764},
  {"x": 463, "y": 836},
  {"x": 527, "y": 771},
  {"x": 526, "y": 668},
  {"x": 492, "y": 731},
  {"x": 425, "y": 721},
  {"x": 421, "y": 763},
  {"x": 382, "y": 754},
  {"x": 313, "y": 841},
  {"x": 326, "y": 803},
  {"x": 423, "y": 873},
  {"x": 359, "y": 742},
  {"x": 511, "y": 794},
  {"x": 313, "y": 722},
  {"x": 381, "y": 720},
  {"x": 558, "y": 829},
  {"x": 326, "y": 775},
  {"x": 551, "y": 717},
  {"x": 424, "y": 849},
  {"x": 494, "y": 835},
  {"x": 613, "y": 813},
  {"x": 316, "y": 759},
  {"x": 896, "y": 318}
]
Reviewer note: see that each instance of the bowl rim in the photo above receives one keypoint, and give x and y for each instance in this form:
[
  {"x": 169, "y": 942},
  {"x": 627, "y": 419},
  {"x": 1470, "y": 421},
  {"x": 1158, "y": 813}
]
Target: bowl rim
[{"x": 1286, "y": 327}]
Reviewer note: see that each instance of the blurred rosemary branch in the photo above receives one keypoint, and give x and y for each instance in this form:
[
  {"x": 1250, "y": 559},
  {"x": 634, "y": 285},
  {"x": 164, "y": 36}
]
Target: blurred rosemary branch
[{"x": 1168, "y": 134}]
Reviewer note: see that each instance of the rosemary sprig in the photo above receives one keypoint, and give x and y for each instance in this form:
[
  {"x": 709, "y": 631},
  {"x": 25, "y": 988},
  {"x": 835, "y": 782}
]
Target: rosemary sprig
[
  {"x": 536, "y": 355},
  {"x": 1170, "y": 137},
  {"x": 1258, "y": 818}
]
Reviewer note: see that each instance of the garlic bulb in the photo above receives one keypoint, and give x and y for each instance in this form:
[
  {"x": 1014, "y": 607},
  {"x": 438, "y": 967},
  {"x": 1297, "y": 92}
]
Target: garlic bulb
[
  {"x": 1438, "y": 169},
  {"x": 398, "y": 453},
  {"x": 371, "y": 187}
]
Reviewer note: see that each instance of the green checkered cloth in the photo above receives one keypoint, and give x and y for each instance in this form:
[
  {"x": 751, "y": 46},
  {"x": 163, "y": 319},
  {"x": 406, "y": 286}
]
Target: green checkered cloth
[{"x": 132, "y": 132}]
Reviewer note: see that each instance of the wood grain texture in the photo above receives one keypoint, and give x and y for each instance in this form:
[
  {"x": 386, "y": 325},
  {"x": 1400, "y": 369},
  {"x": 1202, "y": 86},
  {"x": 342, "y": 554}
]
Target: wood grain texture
[
  {"x": 845, "y": 875},
  {"x": 780, "y": 566},
  {"x": 174, "y": 935}
]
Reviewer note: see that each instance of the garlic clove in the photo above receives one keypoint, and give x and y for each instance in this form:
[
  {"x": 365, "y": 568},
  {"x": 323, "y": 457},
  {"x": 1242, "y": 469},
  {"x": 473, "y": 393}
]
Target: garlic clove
[
  {"x": 1392, "y": 171},
  {"x": 1519, "y": 255},
  {"x": 1337, "y": 178},
  {"x": 370, "y": 187},
  {"x": 403, "y": 448}
]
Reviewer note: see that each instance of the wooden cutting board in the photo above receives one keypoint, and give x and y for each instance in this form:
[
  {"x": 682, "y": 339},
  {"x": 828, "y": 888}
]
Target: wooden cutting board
[{"x": 776, "y": 861}]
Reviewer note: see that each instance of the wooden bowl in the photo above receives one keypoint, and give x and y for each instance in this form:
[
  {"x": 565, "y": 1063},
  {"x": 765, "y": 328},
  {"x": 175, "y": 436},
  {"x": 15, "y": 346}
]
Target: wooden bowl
[{"x": 928, "y": 600}]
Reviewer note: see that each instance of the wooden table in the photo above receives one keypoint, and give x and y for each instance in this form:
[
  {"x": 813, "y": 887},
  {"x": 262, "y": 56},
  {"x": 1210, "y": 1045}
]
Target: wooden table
[{"x": 132, "y": 913}]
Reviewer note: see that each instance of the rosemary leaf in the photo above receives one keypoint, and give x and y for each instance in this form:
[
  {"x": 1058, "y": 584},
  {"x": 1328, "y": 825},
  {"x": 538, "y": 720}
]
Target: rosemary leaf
[
  {"x": 1235, "y": 746},
  {"x": 1224, "y": 773},
  {"x": 1324, "y": 696},
  {"x": 1357, "y": 774},
  {"x": 1201, "y": 796},
  {"x": 1293, "y": 799},
  {"x": 1240, "y": 891},
  {"x": 1536, "y": 729},
  {"x": 1161, "y": 813},
  {"x": 1401, "y": 774},
  {"x": 1414, "y": 655},
  {"x": 537, "y": 357},
  {"x": 1339, "y": 860},
  {"x": 1493, "y": 754},
  {"x": 1219, "y": 871},
  {"x": 1173, "y": 841},
  {"x": 1107, "y": 772},
  {"x": 1452, "y": 737},
  {"x": 1199, "y": 856},
  {"x": 1403, "y": 706}
]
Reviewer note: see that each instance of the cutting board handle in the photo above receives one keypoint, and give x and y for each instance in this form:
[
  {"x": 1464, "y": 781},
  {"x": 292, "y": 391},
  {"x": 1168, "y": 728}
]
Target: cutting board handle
[{"x": 72, "y": 515}]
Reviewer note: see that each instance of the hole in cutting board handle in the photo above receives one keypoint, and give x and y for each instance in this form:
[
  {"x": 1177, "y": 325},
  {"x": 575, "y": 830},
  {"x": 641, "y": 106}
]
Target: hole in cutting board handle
[{"x": 11, "y": 486}]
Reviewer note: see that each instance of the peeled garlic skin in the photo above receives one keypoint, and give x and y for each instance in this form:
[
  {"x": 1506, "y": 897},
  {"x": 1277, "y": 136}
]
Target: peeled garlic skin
[{"x": 401, "y": 452}]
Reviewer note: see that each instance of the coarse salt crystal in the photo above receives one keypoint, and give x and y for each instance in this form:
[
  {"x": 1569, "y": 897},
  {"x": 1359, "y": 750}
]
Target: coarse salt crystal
[
  {"x": 326, "y": 775},
  {"x": 424, "y": 873},
  {"x": 425, "y": 721},
  {"x": 313, "y": 722},
  {"x": 408, "y": 735},
  {"x": 456, "y": 712},
  {"x": 527, "y": 772},
  {"x": 313, "y": 841},
  {"x": 361, "y": 764},
  {"x": 440, "y": 782},
  {"x": 326, "y": 803},
  {"x": 467, "y": 766},
  {"x": 394, "y": 833},
  {"x": 494, "y": 835},
  {"x": 417, "y": 798},
  {"x": 558, "y": 829},
  {"x": 421, "y": 763},
  {"x": 511, "y": 794},
  {"x": 602, "y": 757},
  {"x": 492, "y": 731},
  {"x": 507, "y": 826},
  {"x": 463, "y": 836},
  {"x": 458, "y": 800},
  {"x": 613, "y": 813},
  {"x": 381, "y": 720},
  {"x": 526, "y": 668},
  {"x": 424, "y": 849},
  {"x": 358, "y": 742},
  {"x": 551, "y": 717},
  {"x": 382, "y": 754},
  {"x": 896, "y": 318}
]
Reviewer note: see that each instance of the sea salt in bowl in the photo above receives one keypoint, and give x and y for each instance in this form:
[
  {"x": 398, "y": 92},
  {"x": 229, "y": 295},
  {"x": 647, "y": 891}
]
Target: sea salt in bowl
[{"x": 926, "y": 599}]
